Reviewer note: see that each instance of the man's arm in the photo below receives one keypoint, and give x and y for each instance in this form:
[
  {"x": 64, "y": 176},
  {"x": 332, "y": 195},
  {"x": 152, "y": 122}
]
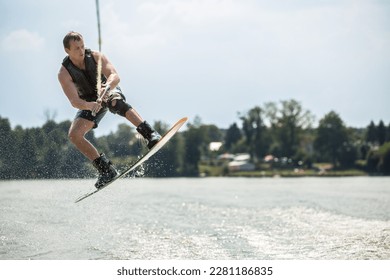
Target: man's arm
[
  {"x": 108, "y": 70},
  {"x": 70, "y": 91}
]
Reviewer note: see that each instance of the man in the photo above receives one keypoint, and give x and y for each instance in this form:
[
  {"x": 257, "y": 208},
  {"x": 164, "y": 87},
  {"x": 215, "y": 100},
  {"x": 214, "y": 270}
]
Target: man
[{"x": 78, "y": 78}]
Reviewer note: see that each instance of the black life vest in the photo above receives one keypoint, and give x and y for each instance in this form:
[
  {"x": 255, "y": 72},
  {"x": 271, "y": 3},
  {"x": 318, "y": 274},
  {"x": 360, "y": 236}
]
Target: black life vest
[{"x": 85, "y": 80}]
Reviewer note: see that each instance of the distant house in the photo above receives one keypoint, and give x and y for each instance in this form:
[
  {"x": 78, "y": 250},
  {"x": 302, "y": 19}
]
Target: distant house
[
  {"x": 215, "y": 146},
  {"x": 226, "y": 157},
  {"x": 241, "y": 163}
]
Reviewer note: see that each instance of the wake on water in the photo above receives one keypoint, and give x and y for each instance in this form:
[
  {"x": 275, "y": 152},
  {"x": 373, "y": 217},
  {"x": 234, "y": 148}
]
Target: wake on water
[{"x": 208, "y": 218}]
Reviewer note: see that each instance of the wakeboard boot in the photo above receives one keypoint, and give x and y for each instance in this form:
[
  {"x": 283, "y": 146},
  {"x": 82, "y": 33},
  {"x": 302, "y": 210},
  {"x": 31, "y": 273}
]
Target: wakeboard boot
[
  {"x": 107, "y": 171},
  {"x": 149, "y": 134}
]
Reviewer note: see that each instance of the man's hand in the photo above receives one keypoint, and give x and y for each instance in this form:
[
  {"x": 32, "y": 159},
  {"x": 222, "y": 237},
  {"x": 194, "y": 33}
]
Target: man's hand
[
  {"x": 95, "y": 108},
  {"x": 104, "y": 92},
  {"x": 103, "y": 97}
]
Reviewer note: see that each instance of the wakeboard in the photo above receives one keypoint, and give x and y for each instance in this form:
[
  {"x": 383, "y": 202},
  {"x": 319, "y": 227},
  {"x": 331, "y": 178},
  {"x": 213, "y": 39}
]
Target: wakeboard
[{"x": 164, "y": 139}]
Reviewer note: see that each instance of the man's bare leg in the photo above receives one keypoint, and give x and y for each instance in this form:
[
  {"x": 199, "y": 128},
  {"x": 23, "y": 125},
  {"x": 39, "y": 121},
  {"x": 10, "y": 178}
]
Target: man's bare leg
[
  {"x": 77, "y": 132},
  {"x": 133, "y": 116}
]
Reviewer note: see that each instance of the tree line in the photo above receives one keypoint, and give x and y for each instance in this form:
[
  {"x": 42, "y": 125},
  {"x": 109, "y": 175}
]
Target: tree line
[{"x": 283, "y": 130}]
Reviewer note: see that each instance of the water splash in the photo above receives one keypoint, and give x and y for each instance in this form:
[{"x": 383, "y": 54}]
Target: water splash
[{"x": 139, "y": 172}]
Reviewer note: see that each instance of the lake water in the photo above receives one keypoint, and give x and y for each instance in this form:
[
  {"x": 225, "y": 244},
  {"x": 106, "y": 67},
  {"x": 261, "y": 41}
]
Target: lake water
[{"x": 201, "y": 218}]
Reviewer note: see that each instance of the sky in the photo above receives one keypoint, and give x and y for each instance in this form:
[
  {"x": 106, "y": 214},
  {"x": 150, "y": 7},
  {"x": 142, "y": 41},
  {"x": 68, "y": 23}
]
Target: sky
[{"x": 207, "y": 58}]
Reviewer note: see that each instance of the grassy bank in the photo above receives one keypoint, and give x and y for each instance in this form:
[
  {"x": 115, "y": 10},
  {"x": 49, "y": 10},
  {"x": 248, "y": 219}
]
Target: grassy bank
[{"x": 216, "y": 171}]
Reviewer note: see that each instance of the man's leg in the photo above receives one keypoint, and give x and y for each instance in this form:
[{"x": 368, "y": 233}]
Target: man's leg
[
  {"x": 77, "y": 132},
  {"x": 133, "y": 116},
  {"x": 122, "y": 108},
  {"x": 129, "y": 113}
]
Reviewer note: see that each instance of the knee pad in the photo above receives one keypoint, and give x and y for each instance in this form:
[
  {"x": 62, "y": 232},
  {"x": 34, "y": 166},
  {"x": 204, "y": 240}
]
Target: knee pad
[{"x": 120, "y": 107}]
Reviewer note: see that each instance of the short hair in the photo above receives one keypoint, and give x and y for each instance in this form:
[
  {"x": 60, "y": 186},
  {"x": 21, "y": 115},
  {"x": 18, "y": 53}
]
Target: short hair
[{"x": 72, "y": 35}]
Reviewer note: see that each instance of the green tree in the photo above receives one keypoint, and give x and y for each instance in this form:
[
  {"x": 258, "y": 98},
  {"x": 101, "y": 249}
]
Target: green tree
[
  {"x": 26, "y": 159},
  {"x": 348, "y": 154},
  {"x": 381, "y": 133},
  {"x": 331, "y": 136},
  {"x": 209, "y": 133},
  {"x": 233, "y": 135},
  {"x": 117, "y": 144},
  {"x": 255, "y": 132},
  {"x": 388, "y": 133},
  {"x": 51, "y": 140},
  {"x": 287, "y": 125},
  {"x": 74, "y": 164},
  {"x": 212, "y": 133},
  {"x": 384, "y": 161},
  {"x": 371, "y": 134},
  {"x": 193, "y": 146},
  {"x": 7, "y": 149},
  {"x": 378, "y": 161}
]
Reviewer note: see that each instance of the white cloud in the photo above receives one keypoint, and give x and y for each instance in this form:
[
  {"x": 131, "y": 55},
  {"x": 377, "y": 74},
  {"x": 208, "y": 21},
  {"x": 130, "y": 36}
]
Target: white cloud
[
  {"x": 22, "y": 40},
  {"x": 154, "y": 24}
]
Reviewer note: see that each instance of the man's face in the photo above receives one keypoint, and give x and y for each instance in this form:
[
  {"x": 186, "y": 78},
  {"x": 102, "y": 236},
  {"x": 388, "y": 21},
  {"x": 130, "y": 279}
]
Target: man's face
[{"x": 76, "y": 50}]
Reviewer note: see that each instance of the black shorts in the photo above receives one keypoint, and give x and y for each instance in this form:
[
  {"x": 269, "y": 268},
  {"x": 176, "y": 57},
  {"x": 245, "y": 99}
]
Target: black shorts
[{"x": 86, "y": 114}]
